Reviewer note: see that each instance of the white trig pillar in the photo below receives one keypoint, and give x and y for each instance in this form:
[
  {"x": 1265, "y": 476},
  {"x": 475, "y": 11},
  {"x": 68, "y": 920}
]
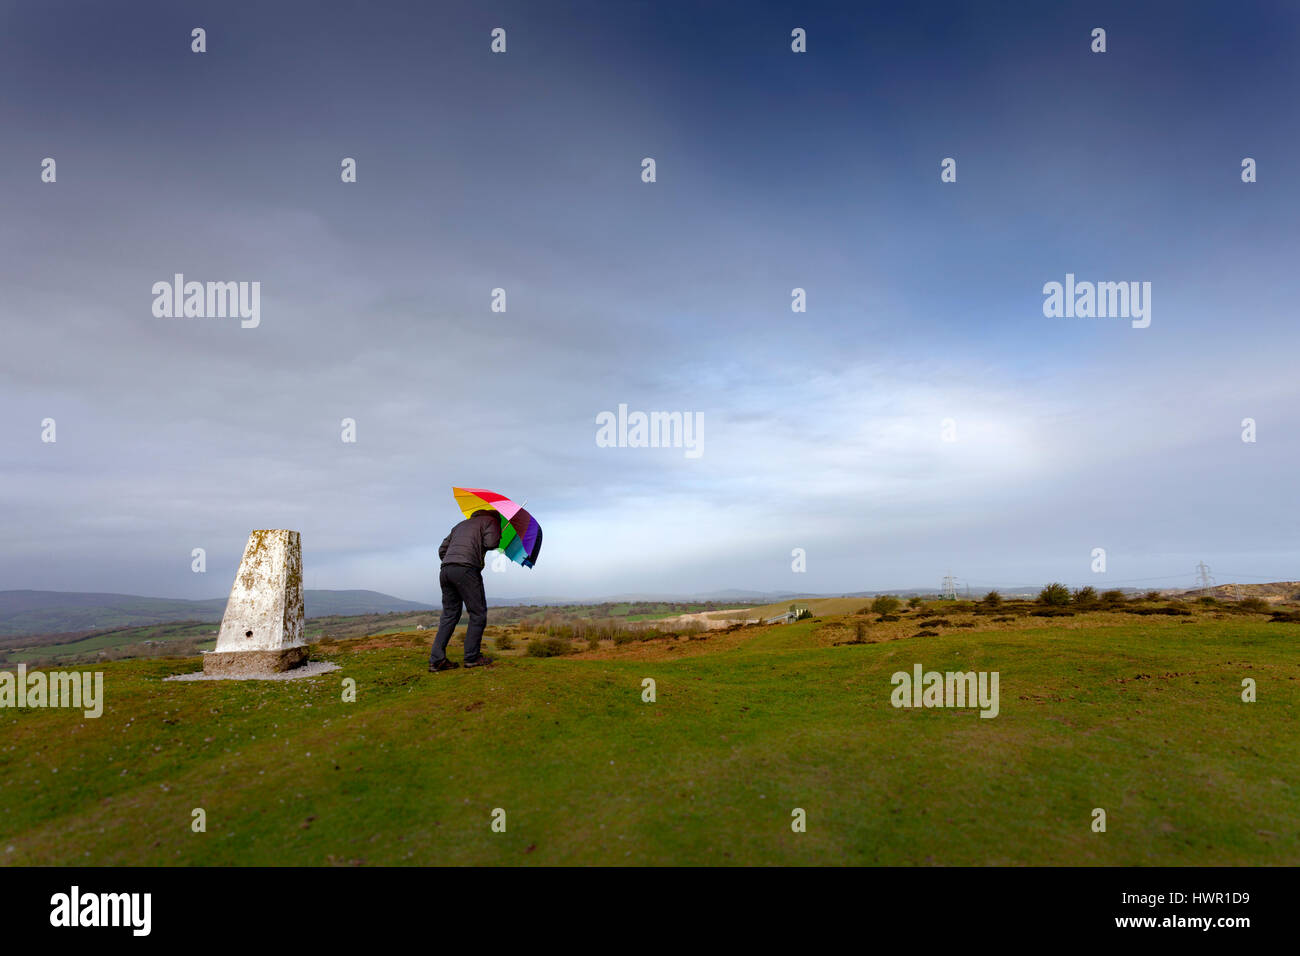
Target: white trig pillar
[{"x": 262, "y": 630}]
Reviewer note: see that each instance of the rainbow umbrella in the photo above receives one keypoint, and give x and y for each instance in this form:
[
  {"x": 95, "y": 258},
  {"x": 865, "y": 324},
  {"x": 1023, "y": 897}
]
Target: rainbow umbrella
[{"x": 521, "y": 535}]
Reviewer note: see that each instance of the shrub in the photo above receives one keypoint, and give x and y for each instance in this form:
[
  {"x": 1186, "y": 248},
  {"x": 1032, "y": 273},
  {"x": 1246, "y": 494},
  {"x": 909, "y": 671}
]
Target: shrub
[
  {"x": 889, "y": 617},
  {"x": 992, "y": 599},
  {"x": 1254, "y": 605},
  {"x": 886, "y": 604},
  {"x": 549, "y": 647},
  {"x": 1207, "y": 601},
  {"x": 1112, "y": 598},
  {"x": 1005, "y": 617},
  {"x": 1052, "y": 612},
  {"x": 1153, "y": 595},
  {"x": 593, "y": 643},
  {"x": 505, "y": 642},
  {"x": 1054, "y": 595},
  {"x": 582, "y": 629},
  {"x": 936, "y": 622},
  {"x": 914, "y": 601},
  {"x": 926, "y": 634},
  {"x": 1085, "y": 597}
]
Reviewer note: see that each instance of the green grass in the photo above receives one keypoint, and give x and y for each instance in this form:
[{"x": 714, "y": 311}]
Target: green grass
[{"x": 747, "y": 726}]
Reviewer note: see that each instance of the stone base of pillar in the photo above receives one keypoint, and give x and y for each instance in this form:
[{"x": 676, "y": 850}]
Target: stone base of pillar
[{"x": 251, "y": 663}]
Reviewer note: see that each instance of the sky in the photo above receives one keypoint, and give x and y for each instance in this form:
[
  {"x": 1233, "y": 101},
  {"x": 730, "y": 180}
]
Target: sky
[{"x": 826, "y": 430}]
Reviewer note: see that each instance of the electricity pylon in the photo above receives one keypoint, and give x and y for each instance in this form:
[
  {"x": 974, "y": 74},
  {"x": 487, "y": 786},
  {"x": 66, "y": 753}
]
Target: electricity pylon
[{"x": 1203, "y": 574}]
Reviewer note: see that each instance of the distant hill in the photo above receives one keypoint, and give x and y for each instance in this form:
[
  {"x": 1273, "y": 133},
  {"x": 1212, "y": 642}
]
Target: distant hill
[
  {"x": 49, "y": 612},
  {"x": 344, "y": 603},
  {"x": 1273, "y": 592}
]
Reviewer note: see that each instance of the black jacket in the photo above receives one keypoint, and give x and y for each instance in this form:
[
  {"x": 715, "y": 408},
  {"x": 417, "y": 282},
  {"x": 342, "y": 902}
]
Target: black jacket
[{"x": 471, "y": 540}]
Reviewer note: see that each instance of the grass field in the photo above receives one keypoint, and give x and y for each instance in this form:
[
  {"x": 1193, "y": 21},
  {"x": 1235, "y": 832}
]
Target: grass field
[{"x": 1141, "y": 716}]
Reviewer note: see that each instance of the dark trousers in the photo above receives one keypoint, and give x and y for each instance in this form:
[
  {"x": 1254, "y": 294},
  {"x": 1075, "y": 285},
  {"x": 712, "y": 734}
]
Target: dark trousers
[{"x": 461, "y": 584}]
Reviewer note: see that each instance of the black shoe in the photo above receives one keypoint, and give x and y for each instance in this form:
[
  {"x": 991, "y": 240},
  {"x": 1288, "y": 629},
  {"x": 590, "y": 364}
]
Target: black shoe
[
  {"x": 481, "y": 661},
  {"x": 443, "y": 665}
]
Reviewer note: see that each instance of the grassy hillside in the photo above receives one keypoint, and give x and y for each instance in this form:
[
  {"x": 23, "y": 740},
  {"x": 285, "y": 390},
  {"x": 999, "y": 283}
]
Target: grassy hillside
[
  {"x": 179, "y": 638},
  {"x": 50, "y": 612},
  {"x": 45, "y": 612},
  {"x": 183, "y": 637},
  {"x": 1273, "y": 592},
  {"x": 1140, "y": 715},
  {"x": 823, "y": 606},
  {"x": 174, "y": 638}
]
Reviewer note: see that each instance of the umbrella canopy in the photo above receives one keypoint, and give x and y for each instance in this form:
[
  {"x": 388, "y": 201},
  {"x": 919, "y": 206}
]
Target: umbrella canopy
[{"x": 521, "y": 535}]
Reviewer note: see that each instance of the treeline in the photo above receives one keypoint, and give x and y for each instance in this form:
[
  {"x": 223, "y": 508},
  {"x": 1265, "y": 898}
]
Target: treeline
[
  {"x": 555, "y": 637},
  {"x": 536, "y": 613},
  {"x": 1055, "y": 598},
  {"x": 613, "y": 629}
]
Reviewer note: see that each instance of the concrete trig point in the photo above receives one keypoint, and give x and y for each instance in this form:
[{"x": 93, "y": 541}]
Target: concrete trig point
[{"x": 262, "y": 630}]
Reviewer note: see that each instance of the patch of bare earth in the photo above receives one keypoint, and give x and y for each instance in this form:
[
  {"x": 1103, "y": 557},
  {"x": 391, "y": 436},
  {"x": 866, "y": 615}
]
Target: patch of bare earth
[{"x": 711, "y": 620}]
